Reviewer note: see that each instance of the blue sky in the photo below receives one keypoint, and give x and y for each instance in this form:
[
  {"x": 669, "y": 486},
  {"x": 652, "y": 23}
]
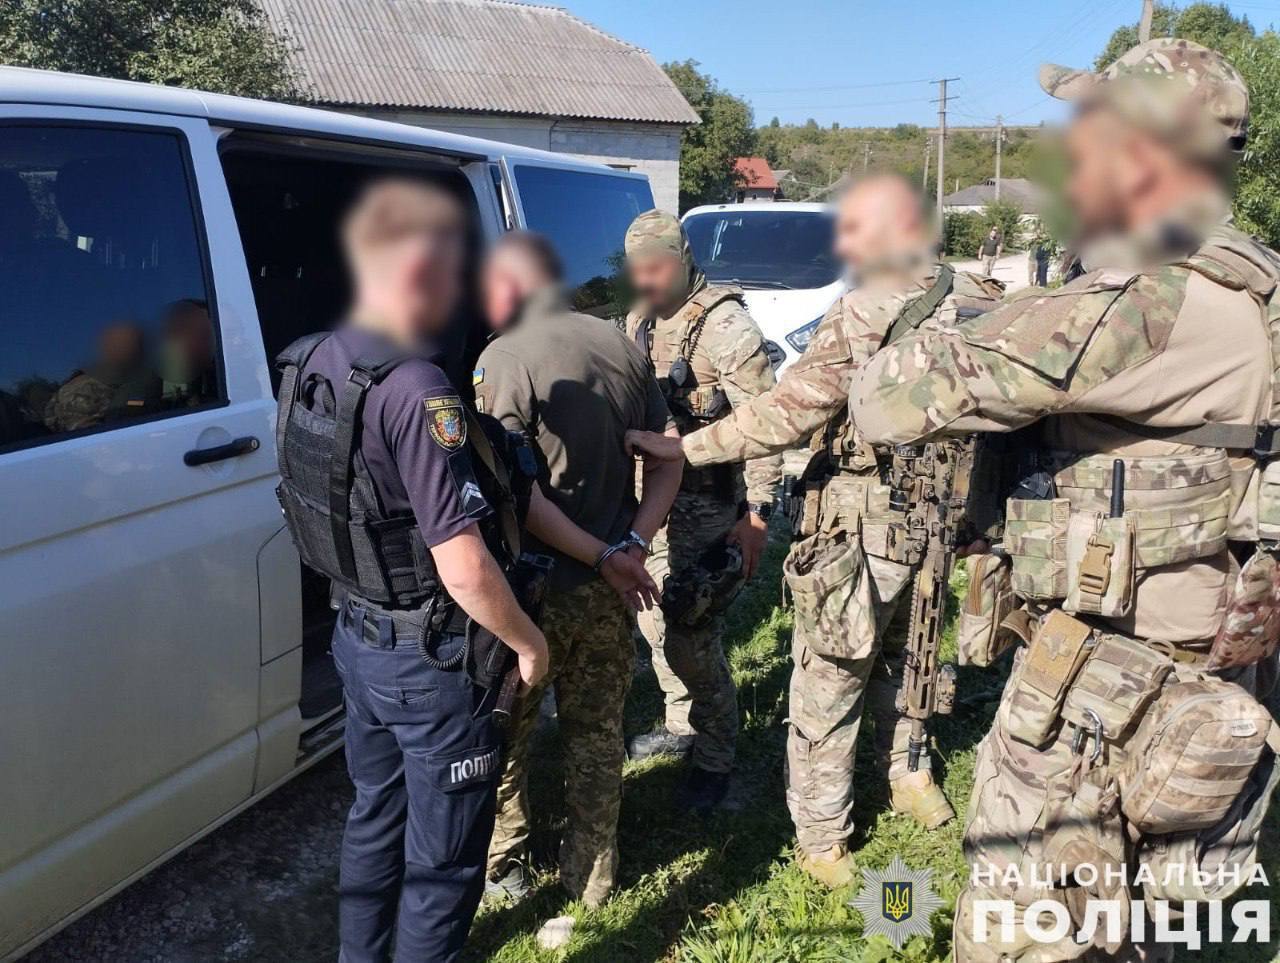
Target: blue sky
[{"x": 820, "y": 58}]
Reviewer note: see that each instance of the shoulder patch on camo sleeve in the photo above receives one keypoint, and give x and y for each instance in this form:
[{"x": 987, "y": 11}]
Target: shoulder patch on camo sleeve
[
  {"x": 477, "y": 376},
  {"x": 446, "y": 422}
]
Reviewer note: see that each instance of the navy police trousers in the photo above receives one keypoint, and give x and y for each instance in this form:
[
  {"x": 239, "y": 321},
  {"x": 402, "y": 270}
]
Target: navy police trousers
[{"x": 423, "y": 755}]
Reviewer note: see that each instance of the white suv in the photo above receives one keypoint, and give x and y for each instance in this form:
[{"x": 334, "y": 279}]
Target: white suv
[{"x": 780, "y": 253}]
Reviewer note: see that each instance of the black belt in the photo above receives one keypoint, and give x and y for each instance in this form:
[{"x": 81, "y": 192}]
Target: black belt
[{"x": 407, "y": 626}]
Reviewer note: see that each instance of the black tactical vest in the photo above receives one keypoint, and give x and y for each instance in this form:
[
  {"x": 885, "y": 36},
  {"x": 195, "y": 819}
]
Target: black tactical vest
[{"x": 331, "y": 505}]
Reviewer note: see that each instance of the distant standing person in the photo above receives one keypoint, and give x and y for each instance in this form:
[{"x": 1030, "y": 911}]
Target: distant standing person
[
  {"x": 1038, "y": 258},
  {"x": 992, "y": 248}
]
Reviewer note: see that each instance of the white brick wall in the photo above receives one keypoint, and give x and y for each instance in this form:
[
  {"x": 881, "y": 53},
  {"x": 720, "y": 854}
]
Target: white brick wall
[{"x": 651, "y": 149}]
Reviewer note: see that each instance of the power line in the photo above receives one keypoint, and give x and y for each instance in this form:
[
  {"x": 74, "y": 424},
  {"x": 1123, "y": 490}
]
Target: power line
[
  {"x": 872, "y": 103},
  {"x": 791, "y": 90}
]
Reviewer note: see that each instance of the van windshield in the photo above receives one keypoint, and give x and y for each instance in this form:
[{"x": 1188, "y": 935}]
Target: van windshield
[{"x": 764, "y": 248}]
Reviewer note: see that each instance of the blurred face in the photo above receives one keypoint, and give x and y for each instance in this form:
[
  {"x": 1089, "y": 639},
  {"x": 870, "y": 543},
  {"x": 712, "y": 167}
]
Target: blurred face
[
  {"x": 658, "y": 279},
  {"x": 1101, "y": 172},
  {"x": 879, "y": 221},
  {"x": 120, "y": 345},
  {"x": 407, "y": 245}
]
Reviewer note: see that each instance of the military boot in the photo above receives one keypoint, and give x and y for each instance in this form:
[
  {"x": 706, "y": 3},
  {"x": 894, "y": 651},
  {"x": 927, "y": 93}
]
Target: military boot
[
  {"x": 833, "y": 869},
  {"x": 660, "y": 742},
  {"x": 703, "y": 791},
  {"x": 512, "y": 887},
  {"x": 916, "y": 795}
]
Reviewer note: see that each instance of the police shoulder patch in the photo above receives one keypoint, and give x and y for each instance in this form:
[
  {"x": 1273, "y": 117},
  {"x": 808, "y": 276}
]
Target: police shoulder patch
[{"x": 446, "y": 422}]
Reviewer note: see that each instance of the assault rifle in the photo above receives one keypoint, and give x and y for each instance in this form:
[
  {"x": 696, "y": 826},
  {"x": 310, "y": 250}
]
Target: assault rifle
[{"x": 930, "y": 485}]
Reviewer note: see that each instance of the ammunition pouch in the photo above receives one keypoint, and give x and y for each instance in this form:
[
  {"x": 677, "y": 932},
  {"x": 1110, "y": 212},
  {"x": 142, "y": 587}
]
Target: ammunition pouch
[
  {"x": 1066, "y": 548},
  {"x": 1038, "y": 687}
]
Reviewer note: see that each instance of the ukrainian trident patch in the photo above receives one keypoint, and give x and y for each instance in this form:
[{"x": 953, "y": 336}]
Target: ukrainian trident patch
[
  {"x": 446, "y": 422},
  {"x": 896, "y": 903}
]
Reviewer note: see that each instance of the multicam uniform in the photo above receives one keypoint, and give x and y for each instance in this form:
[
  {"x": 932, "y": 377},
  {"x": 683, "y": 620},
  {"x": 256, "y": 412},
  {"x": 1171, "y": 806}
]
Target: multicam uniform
[
  {"x": 1124, "y": 595},
  {"x": 845, "y": 587},
  {"x": 724, "y": 350}
]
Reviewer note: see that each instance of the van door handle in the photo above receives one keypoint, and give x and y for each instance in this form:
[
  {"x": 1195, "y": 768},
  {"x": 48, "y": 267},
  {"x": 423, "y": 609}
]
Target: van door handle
[{"x": 232, "y": 449}]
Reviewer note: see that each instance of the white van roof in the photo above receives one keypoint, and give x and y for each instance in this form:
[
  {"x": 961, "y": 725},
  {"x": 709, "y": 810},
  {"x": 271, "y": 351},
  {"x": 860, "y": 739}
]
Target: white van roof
[{"x": 19, "y": 85}]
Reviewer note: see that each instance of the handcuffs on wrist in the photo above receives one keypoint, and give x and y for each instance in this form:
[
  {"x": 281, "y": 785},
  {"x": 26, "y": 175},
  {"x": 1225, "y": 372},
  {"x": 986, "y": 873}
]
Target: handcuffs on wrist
[{"x": 632, "y": 538}]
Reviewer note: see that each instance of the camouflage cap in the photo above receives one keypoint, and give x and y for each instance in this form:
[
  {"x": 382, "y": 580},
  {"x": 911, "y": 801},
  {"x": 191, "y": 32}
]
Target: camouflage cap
[
  {"x": 1173, "y": 88},
  {"x": 656, "y": 232}
]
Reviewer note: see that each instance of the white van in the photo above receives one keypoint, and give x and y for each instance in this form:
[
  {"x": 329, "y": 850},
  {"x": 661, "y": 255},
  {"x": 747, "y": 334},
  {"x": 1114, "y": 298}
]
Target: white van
[
  {"x": 780, "y": 253},
  {"x": 163, "y": 657}
]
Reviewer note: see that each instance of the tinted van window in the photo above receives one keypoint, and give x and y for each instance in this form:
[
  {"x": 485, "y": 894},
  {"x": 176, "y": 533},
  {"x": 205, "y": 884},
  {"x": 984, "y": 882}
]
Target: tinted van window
[
  {"x": 765, "y": 249},
  {"x": 104, "y": 308},
  {"x": 586, "y": 215}
]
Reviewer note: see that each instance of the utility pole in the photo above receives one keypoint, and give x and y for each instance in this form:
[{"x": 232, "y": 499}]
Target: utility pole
[
  {"x": 928, "y": 152},
  {"x": 866, "y": 156},
  {"x": 999, "y": 150},
  {"x": 942, "y": 143},
  {"x": 1144, "y": 25}
]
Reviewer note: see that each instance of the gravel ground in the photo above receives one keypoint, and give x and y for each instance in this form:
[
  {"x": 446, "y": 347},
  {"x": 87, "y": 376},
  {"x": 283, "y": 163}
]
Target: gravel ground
[{"x": 260, "y": 888}]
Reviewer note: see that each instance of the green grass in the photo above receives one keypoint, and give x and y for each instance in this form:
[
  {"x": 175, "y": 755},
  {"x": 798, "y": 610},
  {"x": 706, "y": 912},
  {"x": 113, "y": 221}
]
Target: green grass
[{"x": 726, "y": 890}]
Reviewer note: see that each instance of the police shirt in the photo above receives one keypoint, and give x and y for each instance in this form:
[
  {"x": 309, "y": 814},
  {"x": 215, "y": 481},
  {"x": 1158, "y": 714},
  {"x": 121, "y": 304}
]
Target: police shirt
[{"x": 413, "y": 438}]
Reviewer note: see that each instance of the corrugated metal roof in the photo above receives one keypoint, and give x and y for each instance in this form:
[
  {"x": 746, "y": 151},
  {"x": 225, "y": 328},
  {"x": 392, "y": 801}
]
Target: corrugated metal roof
[
  {"x": 472, "y": 55},
  {"x": 755, "y": 172}
]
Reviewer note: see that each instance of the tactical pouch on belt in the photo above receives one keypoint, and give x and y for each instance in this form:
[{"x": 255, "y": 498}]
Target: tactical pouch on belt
[
  {"x": 1035, "y": 536},
  {"x": 1119, "y": 680},
  {"x": 832, "y": 591},
  {"x": 1100, "y": 565},
  {"x": 1250, "y": 630},
  {"x": 1049, "y": 666},
  {"x": 1213, "y": 863},
  {"x": 989, "y": 599},
  {"x": 1193, "y": 755}
]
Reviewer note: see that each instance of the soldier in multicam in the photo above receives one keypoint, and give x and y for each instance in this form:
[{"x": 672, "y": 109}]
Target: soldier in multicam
[
  {"x": 1145, "y": 510},
  {"x": 709, "y": 358},
  {"x": 841, "y": 573}
]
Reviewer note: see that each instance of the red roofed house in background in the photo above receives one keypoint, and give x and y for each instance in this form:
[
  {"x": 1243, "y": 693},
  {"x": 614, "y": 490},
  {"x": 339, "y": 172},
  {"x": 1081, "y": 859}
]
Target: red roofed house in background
[{"x": 756, "y": 181}]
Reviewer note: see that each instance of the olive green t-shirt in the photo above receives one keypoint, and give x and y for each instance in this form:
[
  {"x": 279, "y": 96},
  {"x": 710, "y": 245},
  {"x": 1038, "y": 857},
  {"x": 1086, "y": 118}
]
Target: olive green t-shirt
[{"x": 574, "y": 385}]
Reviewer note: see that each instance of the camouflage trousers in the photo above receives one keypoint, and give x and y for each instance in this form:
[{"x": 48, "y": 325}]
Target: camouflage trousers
[
  {"x": 847, "y": 650},
  {"x": 692, "y": 670},
  {"x": 1032, "y": 812},
  {"x": 592, "y": 651}
]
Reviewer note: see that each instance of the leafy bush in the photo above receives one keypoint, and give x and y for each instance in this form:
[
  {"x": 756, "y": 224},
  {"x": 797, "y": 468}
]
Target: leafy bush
[{"x": 962, "y": 232}]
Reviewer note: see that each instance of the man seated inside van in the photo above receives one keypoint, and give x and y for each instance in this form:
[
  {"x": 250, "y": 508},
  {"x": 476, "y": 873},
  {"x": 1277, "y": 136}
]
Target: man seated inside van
[{"x": 118, "y": 385}]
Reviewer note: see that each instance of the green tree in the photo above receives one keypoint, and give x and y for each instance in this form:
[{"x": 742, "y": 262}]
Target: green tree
[
  {"x": 1007, "y": 218},
  {"x": 708, "y": 149},
  {"x": 219, "y": 45}
]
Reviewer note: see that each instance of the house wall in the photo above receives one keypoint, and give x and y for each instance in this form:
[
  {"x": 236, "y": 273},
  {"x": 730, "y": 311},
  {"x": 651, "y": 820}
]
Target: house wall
[{"x": 650, "y": 149}]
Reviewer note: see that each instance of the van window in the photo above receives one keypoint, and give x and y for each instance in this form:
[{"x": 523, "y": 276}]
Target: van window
[
  {"x": 586, "y": 215},
  {"x": 765, "y": 248},
  {"x": 104, "y": 307}
]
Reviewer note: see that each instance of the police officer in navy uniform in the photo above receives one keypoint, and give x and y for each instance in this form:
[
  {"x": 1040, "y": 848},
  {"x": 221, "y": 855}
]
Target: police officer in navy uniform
[{"x": 404, "y": 498}]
